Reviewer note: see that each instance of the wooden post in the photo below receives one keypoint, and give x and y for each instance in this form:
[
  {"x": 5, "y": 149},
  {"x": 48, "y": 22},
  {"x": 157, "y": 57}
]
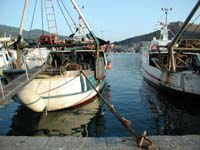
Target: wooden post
[{"x": 172, "y": 60}]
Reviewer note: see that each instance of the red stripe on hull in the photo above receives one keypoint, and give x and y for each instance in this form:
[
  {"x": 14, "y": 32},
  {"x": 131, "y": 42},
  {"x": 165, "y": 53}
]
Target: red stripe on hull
[{"x": 152, "y": 76}]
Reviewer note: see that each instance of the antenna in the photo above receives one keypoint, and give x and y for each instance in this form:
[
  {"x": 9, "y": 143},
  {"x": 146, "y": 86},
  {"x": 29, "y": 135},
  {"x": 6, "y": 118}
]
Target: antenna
[{"x": 166, "y": 10}]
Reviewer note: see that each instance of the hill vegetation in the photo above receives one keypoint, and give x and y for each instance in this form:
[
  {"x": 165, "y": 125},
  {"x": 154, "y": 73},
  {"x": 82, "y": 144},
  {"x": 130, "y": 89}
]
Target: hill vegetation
[
  {"x": 14, "y": 31},
  {"x": 134, "y": 43}
]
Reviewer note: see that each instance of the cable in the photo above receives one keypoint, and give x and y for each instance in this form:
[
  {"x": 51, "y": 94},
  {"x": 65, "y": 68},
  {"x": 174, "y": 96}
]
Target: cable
[
  {"x": 64, "y": 16},
  {"x": 196, "y": 28},
  {"x": 42, "y": 17},
  {"x": 68, "y": 13},
  {"x": 193, "y": 23},
  {"x": 32, "y": 18},
  {"x": 197, "y": 25}
]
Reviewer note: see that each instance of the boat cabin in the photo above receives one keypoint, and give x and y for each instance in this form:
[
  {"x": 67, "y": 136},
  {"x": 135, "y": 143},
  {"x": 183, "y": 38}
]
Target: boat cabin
[{"x": 73, "y": 59}]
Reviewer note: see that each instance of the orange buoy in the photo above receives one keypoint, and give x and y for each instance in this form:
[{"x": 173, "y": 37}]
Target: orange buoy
[{"x": 109, "y": 66}]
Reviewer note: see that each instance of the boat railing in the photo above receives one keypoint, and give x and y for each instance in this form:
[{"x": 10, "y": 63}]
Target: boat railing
[{"x": 189, "y": 43}]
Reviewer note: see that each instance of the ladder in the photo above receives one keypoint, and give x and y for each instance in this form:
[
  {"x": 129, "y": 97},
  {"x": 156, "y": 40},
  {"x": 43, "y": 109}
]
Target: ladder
[{"x": 51, "y": 21}]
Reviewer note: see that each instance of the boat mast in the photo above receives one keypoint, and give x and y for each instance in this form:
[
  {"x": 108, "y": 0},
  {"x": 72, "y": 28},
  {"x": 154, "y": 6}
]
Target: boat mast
[
  {"x": 177, "y": 37},
  {"x": 17, "y": 43},
  {"x": 165, "y": 28},
  {"x": 23, "y": 18},
  {"x": 88, "y": 26}
]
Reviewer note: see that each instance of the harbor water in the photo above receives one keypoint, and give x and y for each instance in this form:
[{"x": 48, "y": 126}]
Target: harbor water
[{"x": 132, "y": 97}]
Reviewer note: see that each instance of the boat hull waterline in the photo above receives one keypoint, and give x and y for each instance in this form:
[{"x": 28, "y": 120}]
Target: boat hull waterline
[{"x": 59, "y": 93}]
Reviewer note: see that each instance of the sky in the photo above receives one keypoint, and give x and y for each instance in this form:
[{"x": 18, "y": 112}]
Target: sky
[{"x": 113, "y": 20}]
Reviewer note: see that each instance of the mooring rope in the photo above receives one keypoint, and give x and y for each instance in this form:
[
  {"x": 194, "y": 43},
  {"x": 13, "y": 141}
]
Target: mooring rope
[{"x": 142, "y": 140}]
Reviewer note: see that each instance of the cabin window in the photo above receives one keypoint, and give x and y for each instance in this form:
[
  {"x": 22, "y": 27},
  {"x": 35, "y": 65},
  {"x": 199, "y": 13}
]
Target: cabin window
[
  {"x": 196, "y": 63},
  {"x": 86, "y": 60},
  {"x": 159, "y": 60},
  {"x": 152, "y": 59}
]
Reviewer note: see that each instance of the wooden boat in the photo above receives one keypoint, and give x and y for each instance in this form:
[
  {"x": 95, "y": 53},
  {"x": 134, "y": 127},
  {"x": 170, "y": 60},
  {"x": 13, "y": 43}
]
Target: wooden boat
[
  {"x": 71, "y": 67},
  {"x": 173, "y": 66}
]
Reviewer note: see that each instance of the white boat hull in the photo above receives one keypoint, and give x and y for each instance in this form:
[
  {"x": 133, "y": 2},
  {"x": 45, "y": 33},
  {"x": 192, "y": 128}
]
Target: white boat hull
[
  {"x": 187, "y": 82},
  {"x": 39, "y": 54},
  {"x": 58, "y": 93}
]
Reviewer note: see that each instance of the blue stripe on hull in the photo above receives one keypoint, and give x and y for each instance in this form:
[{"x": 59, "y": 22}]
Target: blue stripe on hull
[{"x": 89, "y": 87}]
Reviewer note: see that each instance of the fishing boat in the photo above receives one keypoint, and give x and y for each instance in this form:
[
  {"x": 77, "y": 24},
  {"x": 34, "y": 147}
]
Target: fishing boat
[
  {"x": 70, "y": 69},
  {"x": 173, "y": 66}
]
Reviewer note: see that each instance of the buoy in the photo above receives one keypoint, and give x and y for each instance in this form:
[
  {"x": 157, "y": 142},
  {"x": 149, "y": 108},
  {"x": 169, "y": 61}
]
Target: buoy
[{"x": 109, "y": 66}]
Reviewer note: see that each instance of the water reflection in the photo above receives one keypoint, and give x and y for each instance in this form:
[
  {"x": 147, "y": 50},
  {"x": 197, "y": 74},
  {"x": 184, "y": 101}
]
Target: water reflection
[
  {"x": 60, "y": 123},
  {"x": 172, "y": 116}
]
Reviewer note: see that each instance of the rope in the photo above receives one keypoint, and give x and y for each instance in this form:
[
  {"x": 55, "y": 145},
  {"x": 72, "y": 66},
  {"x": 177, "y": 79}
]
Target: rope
[
  {"x": 42, "y": 17},
  {"x": 26, "y": 68},
  {"x": 68, "y": 13},
  {"x": 36, "y": 90},
  {"x": 32, "y": 18},
  {"x": 196, "y": 28},
  {"x": 142, "y": 141},
  {"x": 64, "y": 16},
  {"x": 193, "y": 23},
  {"x": 60, "y": 85}
]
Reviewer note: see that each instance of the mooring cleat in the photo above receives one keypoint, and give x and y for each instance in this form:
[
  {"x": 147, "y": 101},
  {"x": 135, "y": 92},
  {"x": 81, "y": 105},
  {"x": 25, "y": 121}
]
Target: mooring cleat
[{"x": 142, "y": 138}]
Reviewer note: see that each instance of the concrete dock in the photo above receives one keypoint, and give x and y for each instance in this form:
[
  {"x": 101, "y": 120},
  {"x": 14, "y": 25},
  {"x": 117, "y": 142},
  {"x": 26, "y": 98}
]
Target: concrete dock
[{"x": 190, "y": 142}]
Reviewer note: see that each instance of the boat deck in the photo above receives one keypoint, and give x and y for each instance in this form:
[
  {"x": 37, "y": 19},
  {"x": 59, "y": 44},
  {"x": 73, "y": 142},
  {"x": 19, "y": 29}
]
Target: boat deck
[{"x": 13, "y": 87}]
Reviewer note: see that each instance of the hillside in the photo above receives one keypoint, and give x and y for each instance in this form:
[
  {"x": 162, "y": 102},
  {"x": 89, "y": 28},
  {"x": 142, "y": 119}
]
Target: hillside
[
  {"x": 128, "y": 45},
  {"x": 132, "y": 44},
  {"x": 13, "y": 31}
]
